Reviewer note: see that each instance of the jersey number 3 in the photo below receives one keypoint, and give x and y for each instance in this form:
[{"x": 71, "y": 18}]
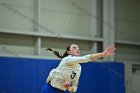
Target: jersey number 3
[{"x": 73, "y": 75}]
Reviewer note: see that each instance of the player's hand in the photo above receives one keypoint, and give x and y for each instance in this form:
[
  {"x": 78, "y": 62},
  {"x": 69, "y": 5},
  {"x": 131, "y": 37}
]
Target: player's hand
[
  {"x": 71, "y": 89},
  {"x": 66, "y": 85},
  {"x": 109, "y": 50}
]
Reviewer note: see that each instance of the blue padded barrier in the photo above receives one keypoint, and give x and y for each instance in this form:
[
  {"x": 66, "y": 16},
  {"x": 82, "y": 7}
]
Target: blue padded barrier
[{"x": 27, "y": 75}]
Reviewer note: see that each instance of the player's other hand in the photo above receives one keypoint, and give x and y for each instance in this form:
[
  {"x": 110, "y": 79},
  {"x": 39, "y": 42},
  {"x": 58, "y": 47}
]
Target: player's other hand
[{"x": 66, "y": 85}]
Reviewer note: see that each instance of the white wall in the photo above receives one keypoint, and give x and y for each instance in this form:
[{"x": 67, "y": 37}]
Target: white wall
[
  {"x": 70, "y": 17},
  {"x": 128, "y": 20},
  {"x": 66, "y": 16},
  {"x": 15, "y": 45},
  {"x": 128, "y": 29},
  {"x": 136, "y": 81},
  {"x": 13, "y": 12}
]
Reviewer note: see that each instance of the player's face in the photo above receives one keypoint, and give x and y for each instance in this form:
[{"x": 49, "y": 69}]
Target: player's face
[{"x": 74, "y": 50}]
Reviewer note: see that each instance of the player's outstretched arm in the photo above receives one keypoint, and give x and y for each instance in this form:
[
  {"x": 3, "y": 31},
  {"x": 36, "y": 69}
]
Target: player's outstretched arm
[{"x": 108, "y": 52}]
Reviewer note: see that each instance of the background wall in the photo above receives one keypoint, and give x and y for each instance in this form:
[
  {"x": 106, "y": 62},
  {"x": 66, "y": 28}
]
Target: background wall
[
  {"x": 57, "y": 17},
  {"x": 127, "y": 29},
  {"x": 11, "y": 14},
  {"x": 27, "y": 28}
]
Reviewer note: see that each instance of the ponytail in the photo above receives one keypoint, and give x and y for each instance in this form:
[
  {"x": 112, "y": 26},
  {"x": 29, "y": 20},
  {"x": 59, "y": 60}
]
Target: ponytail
[{"x": 57, "y": 53}]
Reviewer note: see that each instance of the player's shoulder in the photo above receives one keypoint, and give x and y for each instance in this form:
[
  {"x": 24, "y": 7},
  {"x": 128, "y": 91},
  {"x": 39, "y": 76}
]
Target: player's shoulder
[{"x": 67, "y": 57}]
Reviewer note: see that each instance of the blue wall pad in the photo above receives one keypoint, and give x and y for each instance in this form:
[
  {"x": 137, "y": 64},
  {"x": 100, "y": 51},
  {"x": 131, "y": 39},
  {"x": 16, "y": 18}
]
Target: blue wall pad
[{"x": 27, "y": 75}]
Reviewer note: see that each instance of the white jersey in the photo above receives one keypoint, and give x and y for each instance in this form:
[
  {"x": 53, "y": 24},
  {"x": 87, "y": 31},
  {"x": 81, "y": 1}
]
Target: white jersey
[{"x": 69, "y": 70}]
